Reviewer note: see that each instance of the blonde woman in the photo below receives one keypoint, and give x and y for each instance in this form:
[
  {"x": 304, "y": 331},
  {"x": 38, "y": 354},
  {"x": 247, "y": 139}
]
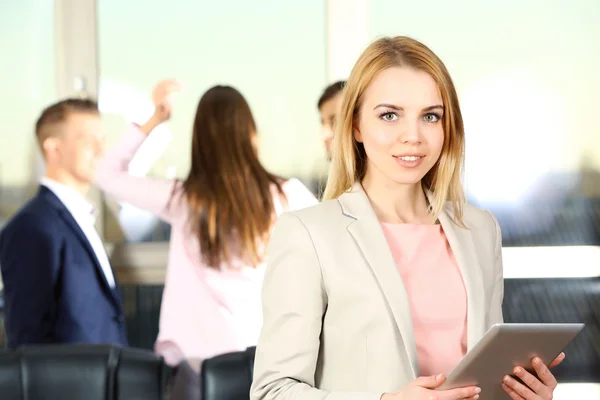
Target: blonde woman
[{"x": 380, "y": 290}]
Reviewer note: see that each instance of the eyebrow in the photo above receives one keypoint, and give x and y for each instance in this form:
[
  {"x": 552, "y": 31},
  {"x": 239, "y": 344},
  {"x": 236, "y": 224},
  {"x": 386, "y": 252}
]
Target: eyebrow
[{"x": 393, "y": 107}]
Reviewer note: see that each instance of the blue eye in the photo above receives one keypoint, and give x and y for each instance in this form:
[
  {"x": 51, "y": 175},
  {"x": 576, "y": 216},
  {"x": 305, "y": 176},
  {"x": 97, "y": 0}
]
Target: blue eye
[
  {"x": 389, "y": 116},
  {"x": 432, "y": 118}
]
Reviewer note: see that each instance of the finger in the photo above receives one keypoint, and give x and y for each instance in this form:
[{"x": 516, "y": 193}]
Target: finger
[
  {"x": 164, "y": 89},
  {"x": 557, "y": 360},
  {"x": 544, "y": 373},
  {"x": 530, "y": 380},
  {"x": 430, "y": 382},
  {"x": 460, "y": 393},
  {"x": 513, "y": 395},
  {"x": 171, "y": 85},
  {"x": 519, "y": 388},
  {"x": 167, "y": 83}
]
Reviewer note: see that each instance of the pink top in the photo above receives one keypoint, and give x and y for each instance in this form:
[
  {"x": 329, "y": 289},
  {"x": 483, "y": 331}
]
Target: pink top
[
  {"x": 436, "y": 292},
  {"x": 204, "y": 312}
]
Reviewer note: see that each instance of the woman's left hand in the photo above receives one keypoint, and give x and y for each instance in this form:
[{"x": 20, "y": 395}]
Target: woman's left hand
[{"x": 534, "y": 388}]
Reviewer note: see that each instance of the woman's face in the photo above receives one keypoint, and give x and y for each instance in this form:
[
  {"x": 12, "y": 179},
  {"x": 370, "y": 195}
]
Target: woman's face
[{"x": 400, "y": 126}]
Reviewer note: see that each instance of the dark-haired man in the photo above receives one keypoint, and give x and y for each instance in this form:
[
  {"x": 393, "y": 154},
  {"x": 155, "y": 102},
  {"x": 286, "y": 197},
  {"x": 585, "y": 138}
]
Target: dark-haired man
[
  {"x": 58, "y": 283},
  {"x": 329, "y": 105}
]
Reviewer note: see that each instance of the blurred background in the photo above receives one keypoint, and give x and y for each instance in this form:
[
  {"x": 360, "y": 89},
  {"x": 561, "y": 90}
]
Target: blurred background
[{"x": 526, "y": 72}]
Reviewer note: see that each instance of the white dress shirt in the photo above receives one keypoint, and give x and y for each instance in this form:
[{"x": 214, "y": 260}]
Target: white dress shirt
[{"x": 84, "y": 214}]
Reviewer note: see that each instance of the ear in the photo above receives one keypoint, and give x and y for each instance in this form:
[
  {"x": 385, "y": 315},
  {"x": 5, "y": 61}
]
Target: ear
[
  {"x": 357, "y": 134},
  {"x": 49, "y": 145}
]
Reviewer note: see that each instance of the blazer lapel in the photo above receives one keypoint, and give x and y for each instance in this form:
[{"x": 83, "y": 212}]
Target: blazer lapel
[
  {"x": 463, "y": 248},
  {"x": 70, "y": 221},
  {"x": 369, "y": 236}
]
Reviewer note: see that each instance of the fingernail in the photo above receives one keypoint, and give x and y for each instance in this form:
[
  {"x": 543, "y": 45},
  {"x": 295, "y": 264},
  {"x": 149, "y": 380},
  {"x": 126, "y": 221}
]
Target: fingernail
[
  {"x": 537, "y": 361},
  {"x": 517, "y": 370},
  {"x": 477, "y": 390},
  {"x": 439, "y": 377},
  {"x": 476, "y": 396},
  {"x": 507, "y": 379}
]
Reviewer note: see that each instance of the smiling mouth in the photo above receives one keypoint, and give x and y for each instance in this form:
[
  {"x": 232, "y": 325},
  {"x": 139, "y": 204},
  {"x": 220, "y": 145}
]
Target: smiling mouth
[{"x": 409, "y": 158}]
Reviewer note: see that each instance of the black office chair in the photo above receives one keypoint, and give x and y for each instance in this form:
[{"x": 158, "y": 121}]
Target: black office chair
[
  {"x": 227, "y": 376},
  {"x": 2, "y": 331},
  {"x": 81, "y": 372},
  {"x": 561, "y": 301}
]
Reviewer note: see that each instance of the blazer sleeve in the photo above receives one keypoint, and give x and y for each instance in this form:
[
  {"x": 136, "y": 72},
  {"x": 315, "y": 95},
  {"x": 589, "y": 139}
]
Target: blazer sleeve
[
  {"x": 30, "y": 263},
  {"x": 294, "y": 302},
  {"x": 495, "y": 313}
]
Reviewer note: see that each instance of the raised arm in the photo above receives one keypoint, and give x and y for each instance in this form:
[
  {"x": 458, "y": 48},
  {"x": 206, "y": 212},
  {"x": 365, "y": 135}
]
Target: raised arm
[
  {"x": 30, "y": 262},
  {"x": 294, "y": 301},
  {"x": 159, "y": 196}
]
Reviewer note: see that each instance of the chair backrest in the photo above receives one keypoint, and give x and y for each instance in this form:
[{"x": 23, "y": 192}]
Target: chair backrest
[
  {"x": 561, "y": 300},
  {"x": 228, "y": 376},
  {"x": 2, "y": 332},
  {"x": 90, "y": 372}
]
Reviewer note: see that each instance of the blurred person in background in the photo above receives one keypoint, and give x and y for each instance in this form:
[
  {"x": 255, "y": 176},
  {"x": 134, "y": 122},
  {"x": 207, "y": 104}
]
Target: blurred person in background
[
  {"x": 221, "y": 218},
  {"x": 328, "y": 105},
  {"x": 58, "y": 283}
]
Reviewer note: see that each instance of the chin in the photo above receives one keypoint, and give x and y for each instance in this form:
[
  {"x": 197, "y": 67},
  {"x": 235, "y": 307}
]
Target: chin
[
  {"x": 407, "y": 182},
  {"x": 88, "y": 179},
  {"x": 406, "y": 178}
]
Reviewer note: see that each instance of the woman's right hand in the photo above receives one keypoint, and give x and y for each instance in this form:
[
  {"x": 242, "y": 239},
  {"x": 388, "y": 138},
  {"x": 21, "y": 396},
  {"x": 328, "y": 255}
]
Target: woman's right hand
[
  {"x": 161, "y": 97},
  {"x": 423, "y": 388}
]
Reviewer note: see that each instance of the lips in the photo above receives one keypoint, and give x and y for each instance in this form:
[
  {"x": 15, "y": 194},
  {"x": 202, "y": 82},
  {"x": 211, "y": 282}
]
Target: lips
[{"x": 409, "y": 158}]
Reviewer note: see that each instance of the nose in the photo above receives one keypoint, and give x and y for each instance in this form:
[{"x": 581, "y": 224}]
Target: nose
[
  {"x": 326, "y": 132},
  {"x": 410, "y": 133}
]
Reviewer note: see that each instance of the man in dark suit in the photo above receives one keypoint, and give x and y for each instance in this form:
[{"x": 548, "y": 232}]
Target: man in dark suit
[{"x": 58, "y": 283}]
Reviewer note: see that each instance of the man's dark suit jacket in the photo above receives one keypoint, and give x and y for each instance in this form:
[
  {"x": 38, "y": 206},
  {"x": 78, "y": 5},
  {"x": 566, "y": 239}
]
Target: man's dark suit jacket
[{"x": 54, "y": 288}]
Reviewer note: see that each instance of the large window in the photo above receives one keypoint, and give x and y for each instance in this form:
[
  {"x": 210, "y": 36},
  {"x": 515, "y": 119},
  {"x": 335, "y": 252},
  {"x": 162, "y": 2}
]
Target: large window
[
  {"x": 526, "y": 73},
  {"x": 272, "y": 51},
  {"x": 28, "y": 82}
]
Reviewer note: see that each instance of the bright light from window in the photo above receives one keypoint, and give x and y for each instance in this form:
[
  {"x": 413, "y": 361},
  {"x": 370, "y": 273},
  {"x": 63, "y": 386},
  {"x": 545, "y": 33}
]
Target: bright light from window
[{"x": 515, "y": 131}]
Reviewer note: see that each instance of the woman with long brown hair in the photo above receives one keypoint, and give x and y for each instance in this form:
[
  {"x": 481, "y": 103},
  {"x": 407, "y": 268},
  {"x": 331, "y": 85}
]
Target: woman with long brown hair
[{"x": 221, "y": 217}]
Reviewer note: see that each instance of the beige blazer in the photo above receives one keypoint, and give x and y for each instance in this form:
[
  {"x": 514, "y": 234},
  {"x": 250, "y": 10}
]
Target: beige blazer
[{"x": 336, "y": 318}]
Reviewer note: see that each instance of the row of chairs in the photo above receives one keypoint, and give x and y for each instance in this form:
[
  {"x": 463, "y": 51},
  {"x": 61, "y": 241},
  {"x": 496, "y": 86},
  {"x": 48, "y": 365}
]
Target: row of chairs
[
  {"x": 103, "y": 372},
  {"x": 97, "y": 372}
]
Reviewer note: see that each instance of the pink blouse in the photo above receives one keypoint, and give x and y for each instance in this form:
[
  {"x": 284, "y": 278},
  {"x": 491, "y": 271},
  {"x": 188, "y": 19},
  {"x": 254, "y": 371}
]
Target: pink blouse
[
  {"x": 204, "y": 312},
  {"x": 436, "y": 292}
]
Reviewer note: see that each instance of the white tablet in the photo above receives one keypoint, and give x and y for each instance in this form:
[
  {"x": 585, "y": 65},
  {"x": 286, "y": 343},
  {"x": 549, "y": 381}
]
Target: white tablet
[{"x": 505, "y": 346}]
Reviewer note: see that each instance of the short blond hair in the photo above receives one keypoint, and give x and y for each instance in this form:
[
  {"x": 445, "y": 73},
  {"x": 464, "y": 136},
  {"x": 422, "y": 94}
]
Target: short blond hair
[{"x": 349, "y": 160}]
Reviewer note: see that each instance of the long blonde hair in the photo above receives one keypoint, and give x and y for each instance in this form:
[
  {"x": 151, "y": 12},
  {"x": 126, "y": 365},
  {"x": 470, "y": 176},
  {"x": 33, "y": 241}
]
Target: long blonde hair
[{"x": 349, "y": 160}]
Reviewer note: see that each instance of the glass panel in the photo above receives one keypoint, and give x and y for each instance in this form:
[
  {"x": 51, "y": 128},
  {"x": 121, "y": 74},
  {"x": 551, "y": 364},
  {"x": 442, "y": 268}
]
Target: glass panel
[
  {"x": 526, "y": 73},
  {"x": 272, "y": 51},
  {"x": 28, "y": 82}
]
